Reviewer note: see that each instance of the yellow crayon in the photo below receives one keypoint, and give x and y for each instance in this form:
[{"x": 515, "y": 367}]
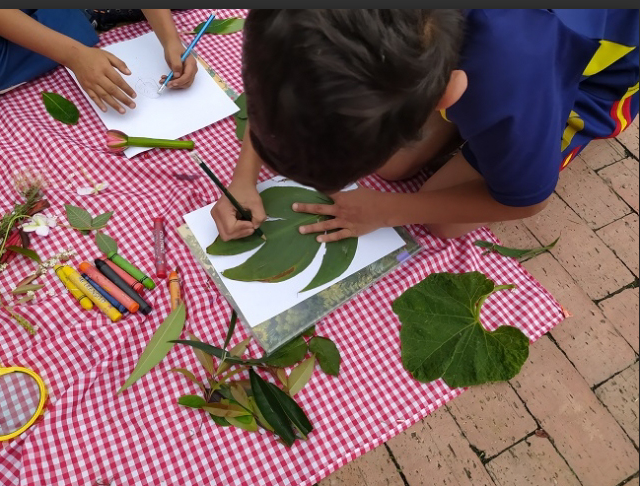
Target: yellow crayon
[
  {"x": 100, "y": 302},
  {"x": 85, "y": 302}
]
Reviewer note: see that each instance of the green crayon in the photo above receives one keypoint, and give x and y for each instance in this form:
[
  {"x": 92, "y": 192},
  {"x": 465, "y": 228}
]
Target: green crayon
[{"x": 131, "y": 270}]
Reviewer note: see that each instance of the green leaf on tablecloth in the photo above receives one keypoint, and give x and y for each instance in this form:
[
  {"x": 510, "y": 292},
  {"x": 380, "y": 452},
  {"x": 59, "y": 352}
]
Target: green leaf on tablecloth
[
  {"x": 442, "y": 336},
  {"x": 217, "y": 352},
  {"x": 78, "y": 218},
  {"x": 101, "y": 220},
  {"x": 189, "y": 376},
  {"x": 205, "y": 360},
  {"x": 288, "y": 354},
  {"x": 28, "y": 252},
  {"x": 60, "y": 108},
  {"x": 300, "y": 375},
  {"x": 192, "y": 401},
  {"x": 106, "y": 244},
  {"x": 514, "y": 252},
  {"x": 221, "y": 26},
  {"x": 271, "y": 408},
  {"x": 159, "y": 344},
  {"x": 23, "y": 289},
  {"x": 327, "y": 353},
  {"x": 292, "y": 410}
]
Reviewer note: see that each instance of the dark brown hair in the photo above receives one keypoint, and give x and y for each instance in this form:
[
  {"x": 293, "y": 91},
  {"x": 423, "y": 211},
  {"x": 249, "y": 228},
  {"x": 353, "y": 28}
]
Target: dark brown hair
[{"x": 332, "y": 94}]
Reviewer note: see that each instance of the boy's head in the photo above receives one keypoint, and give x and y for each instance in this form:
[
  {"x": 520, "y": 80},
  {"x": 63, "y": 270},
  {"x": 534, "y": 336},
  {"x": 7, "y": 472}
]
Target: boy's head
[{"x": 332, "y": 94}]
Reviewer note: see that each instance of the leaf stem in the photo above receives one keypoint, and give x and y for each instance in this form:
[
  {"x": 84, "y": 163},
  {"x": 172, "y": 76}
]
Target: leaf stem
[
  {"x": 158, "y": 142},
  {"x": 483, "y": 298}
]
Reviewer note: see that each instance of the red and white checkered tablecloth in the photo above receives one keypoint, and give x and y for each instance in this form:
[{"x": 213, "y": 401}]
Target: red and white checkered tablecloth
[{"x": 142, "y": 436}]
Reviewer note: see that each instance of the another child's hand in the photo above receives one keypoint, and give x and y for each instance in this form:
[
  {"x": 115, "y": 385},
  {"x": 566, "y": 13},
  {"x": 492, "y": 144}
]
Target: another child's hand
[
  {"x": 183, "y": 73},
  {"x": 226, "y": 216},
  {"x": 96, "y": 72},
  {"x": 355, "y": 213}
]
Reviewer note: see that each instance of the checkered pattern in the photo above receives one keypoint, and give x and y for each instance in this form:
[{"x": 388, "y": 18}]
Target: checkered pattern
[
  {"x": 142, "y": 436},
  {"x": 19, "y": 399}
]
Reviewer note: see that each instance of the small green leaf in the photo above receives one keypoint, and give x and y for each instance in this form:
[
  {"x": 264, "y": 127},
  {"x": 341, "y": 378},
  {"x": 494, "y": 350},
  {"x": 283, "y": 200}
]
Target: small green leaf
[
  {"x": 221, "y": 421},
  {"x": 101, "y": 220},
  {"x": 159, "y": 344},
  {"x": 271, "y": 408},
  {"x": 190, "y": 376},
  {"x": 287, "y": 355},
  {"x": 239, "y": 395},
  {"x": 514, "y": 252},
  {"x": 245, "y": 422},
  {"x": 292, "y": 410},
  {"x": 221, "y": 26},
  {"x": 309, "y": 332},
  {"x": 106, "y": 243},
  {"x": 300, "y": 375},
  {"x": 23, "y": 289},
  {"x": 192, "y": 401},
  {"x": 28, "y": 252},
  {"x": 78, "y": 218},
  {"x": 442, "y": 336},
  {"x": 217, "y": 352},
  {"x": 237, "y": 351},
  {"x": 205, "y": 360},
  {"x": 259, "y": 415},
  {"x": 60, "y": 108},
  {"x": 232, "y": 327},
  {"x": 327, "y": 354},
  {"x": 223, "y": 410}
]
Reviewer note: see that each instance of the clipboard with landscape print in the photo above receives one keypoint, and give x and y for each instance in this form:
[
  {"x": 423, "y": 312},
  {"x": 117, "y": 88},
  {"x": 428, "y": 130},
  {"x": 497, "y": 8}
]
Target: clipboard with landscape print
[{"x": 279, "y": 309}]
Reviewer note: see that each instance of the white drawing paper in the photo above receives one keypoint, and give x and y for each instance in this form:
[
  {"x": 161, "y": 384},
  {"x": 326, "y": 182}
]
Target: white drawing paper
[
  {"x": 259, "y": 301},
  {"x": 171, "y": 115}
]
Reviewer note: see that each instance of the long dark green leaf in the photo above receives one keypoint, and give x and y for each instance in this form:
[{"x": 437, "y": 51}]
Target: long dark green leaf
[
  {"x": 335, "y": 262},
  {"x": 28, "y": 252},
  {"x": 232, "y": 327},
  {"x": 291, "y": 409},
  {"x": 106, "y": 243},
  {"x": 221, "y": 26},
  {"x": 514, "y": 252},
  {"x": 217, "y": 352},
  {"x": 159, "y": 344},
  {"x": 287, "y": 355},
  {"x": 101, "y": 220},
  {"x": 327, "y": 354},
  {"x": 271, "y": 408},
  {"x": 78, "y": 218},
  {"x": 60, "y": 108},
  {"x": 192, "y": 401}
]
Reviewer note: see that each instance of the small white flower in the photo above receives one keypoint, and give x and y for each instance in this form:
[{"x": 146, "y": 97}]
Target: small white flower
[
  {"x": 84, "y": 191},
  {"x": 30, "y": 293},
  {"x": 51, "y": 292},
  {"x": 40, "y": 224}
]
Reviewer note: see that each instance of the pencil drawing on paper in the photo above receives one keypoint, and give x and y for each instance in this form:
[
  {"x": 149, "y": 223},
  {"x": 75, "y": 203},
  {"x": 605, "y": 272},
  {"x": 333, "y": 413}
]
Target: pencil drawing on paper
[{"x": 147, "y": 88}]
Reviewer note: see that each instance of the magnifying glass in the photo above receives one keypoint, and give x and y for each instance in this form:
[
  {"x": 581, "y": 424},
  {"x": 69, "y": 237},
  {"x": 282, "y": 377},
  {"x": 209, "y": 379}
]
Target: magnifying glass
[{"x": 22, "y": 398}]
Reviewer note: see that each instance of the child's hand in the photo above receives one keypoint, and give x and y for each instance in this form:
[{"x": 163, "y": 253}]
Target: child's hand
[
  {"x": 96, "y": 72},
  {"x": 226, "y": 216},
  {"x": 355, "y": 213},
  {"x": 183, "y": 73}
]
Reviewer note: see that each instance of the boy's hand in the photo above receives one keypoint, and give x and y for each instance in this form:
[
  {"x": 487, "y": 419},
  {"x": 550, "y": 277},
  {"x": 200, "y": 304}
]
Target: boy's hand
[
  {"x": 226, "y": 216},
  {"x": 183, "y": 73},
  {"x": 356, "y": 213},
  {"x": 96, "y": 72}
]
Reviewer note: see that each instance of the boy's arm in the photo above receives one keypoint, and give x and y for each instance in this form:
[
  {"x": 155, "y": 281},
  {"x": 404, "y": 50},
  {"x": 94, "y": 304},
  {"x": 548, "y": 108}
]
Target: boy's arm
[
  {"x": 93, "y": 67},
  {"x": 162, "y": 24}
]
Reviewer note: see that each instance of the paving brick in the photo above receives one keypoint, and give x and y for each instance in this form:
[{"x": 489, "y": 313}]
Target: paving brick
[
  {"x": 375, "y": 468},
  {"x": 623, "y": 178},
  {"x": 620, "y": 396},
  {"x": 622, "y": 311},
  {"x": 601, "y": 207},
  {"x": 514, "y": 234},
  {"x": 492, "y": 417},
  {"x": 583, "y": 255},
  {"x": 600, "y": 153},
  {"x": 589, "y": 340},
  {"x": 584, "y": 432},
  {"x": 622, "y": 237},
  {"x": 531, "y": 463},
  {"x": 634, "y": 482},
  {"x": 629, "y": 138},
  {"x": 434, "y": 451}
]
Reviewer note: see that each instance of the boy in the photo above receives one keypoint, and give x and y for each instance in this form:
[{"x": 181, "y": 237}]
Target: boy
[
  {"x": 334, "y": 95},
  {"x": 33, "y": 42}
]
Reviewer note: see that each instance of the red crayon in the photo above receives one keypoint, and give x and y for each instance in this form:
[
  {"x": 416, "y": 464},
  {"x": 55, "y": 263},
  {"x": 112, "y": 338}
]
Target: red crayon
[
  {"x": 109, "y": 286},
  {"x": 158, "y": 247},
  {"x": 132, "y": 282}
]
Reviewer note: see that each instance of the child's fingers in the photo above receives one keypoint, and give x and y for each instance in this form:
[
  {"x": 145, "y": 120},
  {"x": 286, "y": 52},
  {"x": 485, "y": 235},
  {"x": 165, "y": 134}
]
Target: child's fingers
[
  {"x": 322, "y": 226},
  {"x": 96, "y": 99},
  {"x": 108, "y": 99},
  {"x": 325, "y": 209},
  {"x": 117, "y": 94},
  {"x": 338, "y": 235},
  {"x": 117, "y": 63},
  {"x": 116, "y": 79}
]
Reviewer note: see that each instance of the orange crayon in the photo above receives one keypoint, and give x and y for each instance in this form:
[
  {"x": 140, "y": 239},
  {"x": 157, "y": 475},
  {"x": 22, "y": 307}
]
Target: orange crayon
[
  {"x": 174, "y": 288},
  {"x": 132, "y": 282},
  {"x": 109, "y": 286}
]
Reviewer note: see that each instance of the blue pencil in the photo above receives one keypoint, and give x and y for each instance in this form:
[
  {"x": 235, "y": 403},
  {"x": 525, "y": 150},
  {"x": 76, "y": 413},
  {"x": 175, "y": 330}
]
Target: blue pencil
[
  {"x": 110, "y": 298},
  {"x": 188, "y": 51}
]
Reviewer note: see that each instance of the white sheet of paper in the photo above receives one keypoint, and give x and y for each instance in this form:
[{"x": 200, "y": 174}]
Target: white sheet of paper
[
  {"x": 259, "y": 301},
  {"x": 174, "y": 113}
]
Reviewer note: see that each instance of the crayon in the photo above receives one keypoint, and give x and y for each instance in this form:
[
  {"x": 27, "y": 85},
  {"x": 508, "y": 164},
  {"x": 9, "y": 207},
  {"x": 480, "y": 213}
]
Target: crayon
[
  {"x": 131, "y": 270},
  {"x": 85, "y": 302},
  {"x": 145, "y": 308},
  {"x": 109, "y": 286},
  {"x": 100, "y": 302},
  {"x": 174, "y": 289},
  {"x": 158, "y": 248},
  {"x": 132, "y": 282},
  {"x": 110, "y": 298}
]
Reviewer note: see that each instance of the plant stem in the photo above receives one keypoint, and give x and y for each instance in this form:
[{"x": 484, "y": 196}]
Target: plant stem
[
  {"x": 482, "y": 299},
  {"x": 11, "y": 221},
  {"x": 157, "y": 142}
]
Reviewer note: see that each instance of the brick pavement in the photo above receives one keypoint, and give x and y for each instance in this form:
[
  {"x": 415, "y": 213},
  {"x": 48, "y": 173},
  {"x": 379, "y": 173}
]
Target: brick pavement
[{"x": 570, "y": 418}]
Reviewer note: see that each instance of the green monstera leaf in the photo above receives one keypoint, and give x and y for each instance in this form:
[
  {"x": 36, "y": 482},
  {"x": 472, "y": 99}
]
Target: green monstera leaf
[
  {"x": 286, "y": 252},
  {"x": 442, "y": 336}
]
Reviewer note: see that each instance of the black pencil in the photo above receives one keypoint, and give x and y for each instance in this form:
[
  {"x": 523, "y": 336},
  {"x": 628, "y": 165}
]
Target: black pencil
[{"x": 243, "y": 212}]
